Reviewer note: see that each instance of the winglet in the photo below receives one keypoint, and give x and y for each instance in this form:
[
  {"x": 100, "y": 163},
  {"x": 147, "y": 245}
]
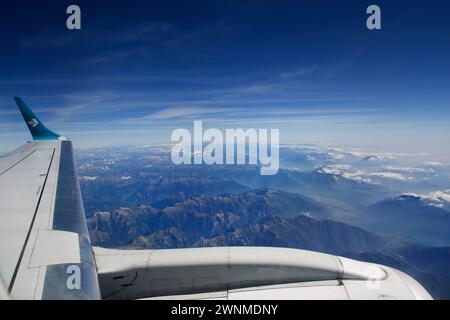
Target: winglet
[{"x": 36, "y": 127}]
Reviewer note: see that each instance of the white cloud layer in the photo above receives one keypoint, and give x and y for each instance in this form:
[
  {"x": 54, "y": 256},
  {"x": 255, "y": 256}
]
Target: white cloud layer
[
  {"x": 438, "y": 198},
  {"x": 361, "y": 175},
  {"x": 408, "y": 169}
]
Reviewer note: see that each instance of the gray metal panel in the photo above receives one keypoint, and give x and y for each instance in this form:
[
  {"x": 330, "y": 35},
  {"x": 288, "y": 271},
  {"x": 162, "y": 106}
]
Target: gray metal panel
[{"x": 69, "y": 216}]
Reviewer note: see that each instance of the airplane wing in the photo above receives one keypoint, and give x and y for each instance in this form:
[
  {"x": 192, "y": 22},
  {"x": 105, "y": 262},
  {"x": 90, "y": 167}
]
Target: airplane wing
[{"x": 45, "y": 251}]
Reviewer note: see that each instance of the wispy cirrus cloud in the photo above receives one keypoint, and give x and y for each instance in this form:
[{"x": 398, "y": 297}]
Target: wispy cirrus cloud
[
  {"x": 294, "y": 74},
  {"x": 149, "y": 31},
  {"x": 178, "y": 112}
]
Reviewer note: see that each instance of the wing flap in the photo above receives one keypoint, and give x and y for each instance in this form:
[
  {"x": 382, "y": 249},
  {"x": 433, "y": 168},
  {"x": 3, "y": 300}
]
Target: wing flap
[{"x": 65, "y": 248}]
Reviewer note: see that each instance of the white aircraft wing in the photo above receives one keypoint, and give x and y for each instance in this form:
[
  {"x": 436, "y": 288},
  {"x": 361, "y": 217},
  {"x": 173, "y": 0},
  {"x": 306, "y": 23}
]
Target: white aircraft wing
[{"x": 45, "y": 251}]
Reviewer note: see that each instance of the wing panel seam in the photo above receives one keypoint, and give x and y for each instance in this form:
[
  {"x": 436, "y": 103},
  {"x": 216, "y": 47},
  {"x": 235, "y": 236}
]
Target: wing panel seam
[{"x": 15, "y": 164}]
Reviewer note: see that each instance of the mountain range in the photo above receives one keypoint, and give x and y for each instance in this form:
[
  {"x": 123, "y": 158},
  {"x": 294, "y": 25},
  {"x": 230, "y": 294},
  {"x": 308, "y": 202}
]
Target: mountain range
[
  {"x": 410, "y": 216},
  {"x": 135, "y": 198}
]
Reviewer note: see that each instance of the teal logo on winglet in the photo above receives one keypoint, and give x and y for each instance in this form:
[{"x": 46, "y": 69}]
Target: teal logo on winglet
[{"x": 33, "y": 123}]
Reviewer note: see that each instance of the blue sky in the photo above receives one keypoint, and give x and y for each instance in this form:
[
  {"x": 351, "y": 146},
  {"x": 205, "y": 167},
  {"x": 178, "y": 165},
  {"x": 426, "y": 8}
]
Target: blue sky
[{"x": 139, "y": 69}]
